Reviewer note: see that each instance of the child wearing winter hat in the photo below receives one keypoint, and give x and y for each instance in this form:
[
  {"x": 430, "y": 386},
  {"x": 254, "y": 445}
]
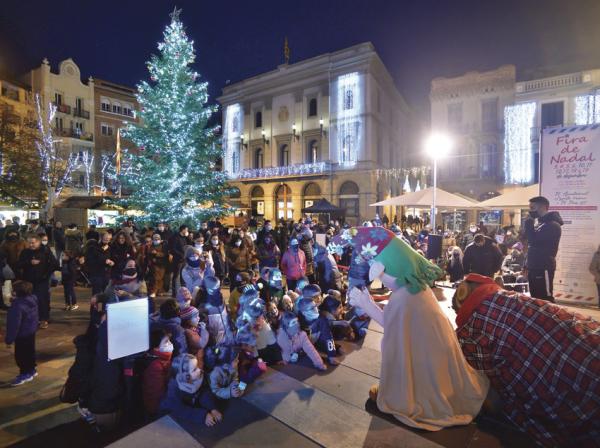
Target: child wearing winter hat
[
  {"x": 293, "y": 340},
  {"x": 250, "y": 366},
  {"x": 317, "y": 327},
  {"x": 195, "y": 392},
  {"x": 245, "y": 282},
  {"x": 266, "y": 342},
  {"x": 219, "y": 327},
  {"x": 156, "y": 376},
  {"x": 331, "y": 309},
  {"x": 184, "y": 297},
  {"x": 21, "y": 326},
  {"x": 196, "y": 334},
  {"x": 198, "y": 265}
]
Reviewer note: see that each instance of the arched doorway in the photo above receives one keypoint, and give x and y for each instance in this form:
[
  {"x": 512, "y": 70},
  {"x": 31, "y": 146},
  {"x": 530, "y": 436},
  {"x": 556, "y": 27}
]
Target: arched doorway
[
  {"x": 312, "y": 193},
  {"x": 257, "y": 201},
  {"x": 283, "y": 202},
  {"x": 349, "y": 201}
]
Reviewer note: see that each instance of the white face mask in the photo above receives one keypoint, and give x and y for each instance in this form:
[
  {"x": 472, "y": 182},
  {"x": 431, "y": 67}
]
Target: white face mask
[
  {"x": 215, "y": 242},
  {"x": 166, "y": 346},
  {"x": 238, "y": 243},
  {"x": 198, "y": 245},
  {"x": 44, "y": 243}
]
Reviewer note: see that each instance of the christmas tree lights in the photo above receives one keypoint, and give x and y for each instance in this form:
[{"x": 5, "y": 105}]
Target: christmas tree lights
[
  {"x": 518, "y": 160},
  {"x": 349, "y": 117},
  {"x": 587, "y": 109},
  {"x": 173, "y": 175}
]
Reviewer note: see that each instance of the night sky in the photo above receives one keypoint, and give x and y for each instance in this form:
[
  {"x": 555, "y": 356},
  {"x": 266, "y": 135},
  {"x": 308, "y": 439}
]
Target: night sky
[{"x": 417, "y": 39}]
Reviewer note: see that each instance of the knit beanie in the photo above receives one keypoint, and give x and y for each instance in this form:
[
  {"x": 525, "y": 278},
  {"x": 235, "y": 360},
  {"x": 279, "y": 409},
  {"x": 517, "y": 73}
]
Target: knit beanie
[
  {"x": 188, "y": 313},
  {"x": 330, "y": 304},
  {"x": 184, "y": 297},
  {"x": 334, "y": 293},
  {"x": 311, "y": 291}
]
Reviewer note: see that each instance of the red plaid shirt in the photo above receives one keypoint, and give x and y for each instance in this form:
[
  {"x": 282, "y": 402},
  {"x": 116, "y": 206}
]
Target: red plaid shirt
[{"x": 545, "y": 363}]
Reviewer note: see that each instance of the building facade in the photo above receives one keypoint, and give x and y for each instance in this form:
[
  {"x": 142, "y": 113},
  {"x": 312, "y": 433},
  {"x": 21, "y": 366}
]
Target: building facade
[
  {"x": 74, "y": 120},
  {"x": 469, "y": 109},
  {"x": 115, "y": 106},
  {"x": 324, "y": 127}
]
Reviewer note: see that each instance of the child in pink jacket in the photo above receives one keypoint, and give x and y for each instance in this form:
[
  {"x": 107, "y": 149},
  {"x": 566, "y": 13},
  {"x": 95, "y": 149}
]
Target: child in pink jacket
[{"x": 292, "y": 340}]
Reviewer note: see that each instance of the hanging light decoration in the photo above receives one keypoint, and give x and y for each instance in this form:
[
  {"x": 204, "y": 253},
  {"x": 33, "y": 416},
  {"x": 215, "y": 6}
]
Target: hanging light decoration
[{"x": 518, "y": 160}]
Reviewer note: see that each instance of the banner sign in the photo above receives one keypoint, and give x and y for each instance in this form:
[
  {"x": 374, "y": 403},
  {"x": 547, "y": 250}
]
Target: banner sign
[
  {"x": 570, "y": 179},
  {"x": 128, "y": 328}
]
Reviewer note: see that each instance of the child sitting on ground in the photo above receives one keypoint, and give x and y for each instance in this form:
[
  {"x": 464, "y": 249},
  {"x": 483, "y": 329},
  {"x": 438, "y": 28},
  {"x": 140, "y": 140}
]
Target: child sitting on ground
[
  {"x": 224, "y": 381},
  {"x": 292, "y": 341},
  {"x": 254, "y": 314},
  {"x": 21, "y": 325},
  {"x": 196, "y": 334},
  {"x": 218, "y": 319},
  {"x": 156, "y": 376},
  {"x": 194, "y": 392},
  {"x": 245, "y": 282},
  {"x": 170, "y": 321},
  {"x": 250, "y": 366},
  {"x": 332, "y": 310}
]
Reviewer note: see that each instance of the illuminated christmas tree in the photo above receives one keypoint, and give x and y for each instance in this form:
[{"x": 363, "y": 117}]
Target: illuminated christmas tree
[{"x": 173, "y": 175}]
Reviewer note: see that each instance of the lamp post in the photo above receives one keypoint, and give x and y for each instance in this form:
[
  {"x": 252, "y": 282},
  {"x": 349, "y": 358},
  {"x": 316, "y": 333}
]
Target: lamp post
[{"x": 436, "y": 146}]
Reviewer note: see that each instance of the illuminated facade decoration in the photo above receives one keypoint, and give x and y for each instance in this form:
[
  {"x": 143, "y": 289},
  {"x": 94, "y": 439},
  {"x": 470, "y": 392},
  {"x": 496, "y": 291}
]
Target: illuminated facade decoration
[
  {"x": 349, "y": 119},
  {"x": 518, "y": 159},
  {"x": 587, "y": 108},
  {"x": 231, "y": 138}
]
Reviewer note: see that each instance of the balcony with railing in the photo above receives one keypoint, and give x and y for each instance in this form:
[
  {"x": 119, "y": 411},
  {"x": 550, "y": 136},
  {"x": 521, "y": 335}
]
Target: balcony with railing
[
  {"x": 81, "y": 113},
  {"x": 74, "y": 133},
  {"x": 554, "y": 82},
  {"x": 63, "y": 108},
  {"x": 296, "y": 170}
]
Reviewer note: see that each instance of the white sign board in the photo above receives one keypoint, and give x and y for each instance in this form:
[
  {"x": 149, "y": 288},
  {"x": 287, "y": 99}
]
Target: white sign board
[
  {"x": 570, "y": 179},
  {"x": 128, "y": 328},
  {"x": 321, "y": 238}
]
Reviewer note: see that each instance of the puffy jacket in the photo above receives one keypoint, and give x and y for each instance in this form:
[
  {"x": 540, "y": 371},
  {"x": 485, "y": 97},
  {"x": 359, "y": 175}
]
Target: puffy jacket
[
  {"x": 177, "y": 244},
  {"x": 173, "y": 327},
  {"x": 543, "y": 240},
  {"x": 22, "y": 318},
  {"x": 95, "y": 259},
  {"x": 222, "y": 380},
  {"x": 73, "y": 240},
  {"x": 155, "y": 380},
  {"x": 297, "y": 343},
  {"x": 293, "y": 264},
  {"x": 194, "y": 277},
  {"x": 485, "y": 260},
  {"x": 240, "y": 258},
  {"x": 11, "y": 250}
]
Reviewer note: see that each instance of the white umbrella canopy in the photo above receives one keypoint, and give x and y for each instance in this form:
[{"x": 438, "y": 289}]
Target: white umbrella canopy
[
  {"x": 424, "y": 199},
  {"x": 517, "y": 198}
]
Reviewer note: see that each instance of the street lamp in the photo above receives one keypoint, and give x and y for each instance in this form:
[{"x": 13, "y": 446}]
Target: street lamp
[{"x": 436, "y": 146}]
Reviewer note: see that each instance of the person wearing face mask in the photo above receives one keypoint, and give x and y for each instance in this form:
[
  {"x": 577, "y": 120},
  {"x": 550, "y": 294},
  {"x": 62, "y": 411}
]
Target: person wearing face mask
[
  {"x": 266, "y": 229},
  {"x": 121, "y": 251},
  {"x": 73, "y": 239},
  {"x": 197, "y": 266},
  {"x": 268, "y": 253},
  {"x": 196, "y": 333},
  {"x": 469, "y": 236},
  {"x": 158, "y": 261},
  {"x": 128, "y": 285},
  {"x": 542, "y": 243},
  {"x": 239, "y": 259},
  {"x": 97, "y": 262},
  {"x": 36, "y": 264},
  {"x": 482, "y": 256},
  {"x": 216, "y": 249},
  {"x": 156, "y": 376},
  {"x": 177, "y": 245},
  {"x": 293, "y": 264},
  {"x": 58, "y": 236}
]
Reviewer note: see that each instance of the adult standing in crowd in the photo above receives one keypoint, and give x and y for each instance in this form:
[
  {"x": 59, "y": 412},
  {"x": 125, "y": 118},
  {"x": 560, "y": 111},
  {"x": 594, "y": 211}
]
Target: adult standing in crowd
[
  {"x": 73, "y": 239},
  {"x": 157, "y": 263},
  {"x": 543, "y": 238},
  {"x": 58, "y": 236},
  {"x": 482, "y": 256},
  {"x": 36, "y": 265},
  {"x": 239, "y": 259},
  {"x": 177, "y": 245},
  {"x": 293, "y": 264},
  {"x": 98, "y": 263},
  {"x": 267, "y": 252},
  {"x": 216, "y": 248},
  {"x": 121, "y": 251}
]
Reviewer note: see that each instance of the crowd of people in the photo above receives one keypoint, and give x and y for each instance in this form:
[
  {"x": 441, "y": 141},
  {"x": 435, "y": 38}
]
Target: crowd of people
[{"x": 225, "y": 302}]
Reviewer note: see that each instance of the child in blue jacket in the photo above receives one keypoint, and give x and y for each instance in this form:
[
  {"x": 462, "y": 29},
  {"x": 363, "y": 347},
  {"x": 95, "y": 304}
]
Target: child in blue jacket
[{"x": 21, "y": 325}]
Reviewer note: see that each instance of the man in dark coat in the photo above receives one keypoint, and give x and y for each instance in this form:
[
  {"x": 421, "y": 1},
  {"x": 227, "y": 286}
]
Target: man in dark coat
[
  {"x": 542, "y": 240},
  {"x": 482, "y": 256},
  {"x": 36, "y": 264},
  {"x": 177, "y": 245}
]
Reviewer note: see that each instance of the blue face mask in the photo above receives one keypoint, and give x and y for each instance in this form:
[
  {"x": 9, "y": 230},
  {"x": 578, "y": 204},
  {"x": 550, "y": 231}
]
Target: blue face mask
[
  {"x": 194, "y": 263},
  {"x": 293, "y": 327},
  {"x": 311, "y": 314}
]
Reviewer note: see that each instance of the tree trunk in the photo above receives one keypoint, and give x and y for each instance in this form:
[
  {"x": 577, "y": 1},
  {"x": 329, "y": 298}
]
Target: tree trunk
[{"x": 49, "y": 207}]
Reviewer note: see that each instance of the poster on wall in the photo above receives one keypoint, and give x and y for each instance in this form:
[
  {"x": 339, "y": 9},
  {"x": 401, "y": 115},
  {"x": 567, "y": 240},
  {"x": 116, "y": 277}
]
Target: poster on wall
[
  {"x": 260, "y": 208},
  {"x": 570, "y": 179}
]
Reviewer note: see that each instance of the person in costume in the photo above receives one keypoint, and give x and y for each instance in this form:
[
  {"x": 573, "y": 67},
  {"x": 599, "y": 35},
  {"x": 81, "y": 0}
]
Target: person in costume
[
  {"x": 542, "y": 359},
  {"x": 425, "y": 381}
]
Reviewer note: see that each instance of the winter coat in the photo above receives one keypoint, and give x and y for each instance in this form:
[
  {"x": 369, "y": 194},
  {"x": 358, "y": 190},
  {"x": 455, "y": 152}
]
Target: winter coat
[
  {"x": 73, "y": 241},
  {"x": 239, "y": 258},
  {"x": 22, "y": 318},
  {"x": 58, "y": 235},
  {"x": 218, "y": 325},
  {"x": 265, "y": 336},
  {"x": 95, "y": 259},
  {"x": 542, "y": 241},
  {"x": 120, "y": 254},
  {"x": 155, "y": 380},
  {"x": 40, "y": 272},
  {"x": 293, "y": 264},
  {"x": 107, "y": 387},
  {"x": 222, "y": 380},
  {"x": 268, "y": 255},
  {"x": 219, "y": 259},
  {"x": 194, "y": 277},
  {"x": 248, "y": 369},
  {"x": 327, "y": 270},
  {"x": 595, "y": 266},
  {"x": 11, "y": 250},
  {"x": 297, "y": 343},
  {"x": 158, "y": 256},
  {"x": 485, "y": 260},
  {"x": 177, "y": 244},
  {"x": 172, "y": 326},
  {"x": 455, "y": 269},
  {"x": 135, "y": 289}
]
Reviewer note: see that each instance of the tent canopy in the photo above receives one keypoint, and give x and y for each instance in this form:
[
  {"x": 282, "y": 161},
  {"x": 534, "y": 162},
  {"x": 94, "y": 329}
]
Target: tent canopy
[
  {"x": 517, "y": 198},
  {"x": 322, "y": 206},
  {"x": 424, "y": 199}
]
